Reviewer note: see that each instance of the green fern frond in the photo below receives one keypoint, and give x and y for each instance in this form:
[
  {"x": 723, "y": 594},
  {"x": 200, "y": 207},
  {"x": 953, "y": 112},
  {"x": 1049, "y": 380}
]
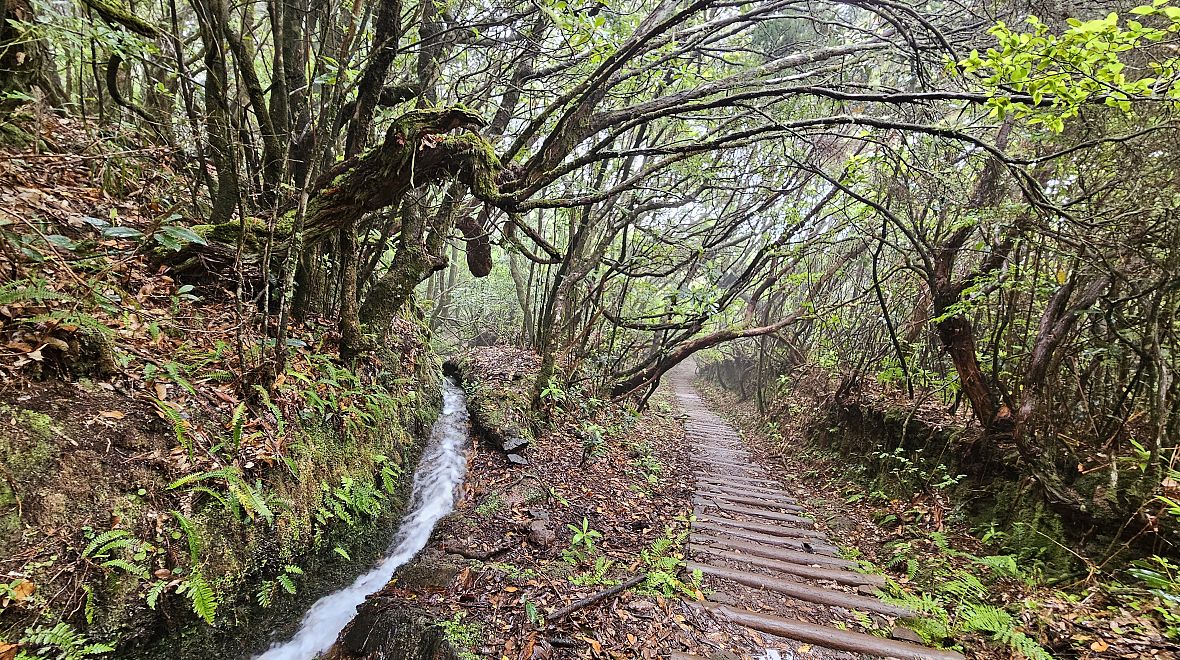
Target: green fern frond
[
  {"x": 102, "y": 539},
  {"x": 33, "y": 290},
  {"x": 287, "y": 583},
  {"x": 202, "y": 596},
  {"x": 153, "y": 594},
  {"x": 127, "y": 567},
  {"x": 63, "y": 642}
]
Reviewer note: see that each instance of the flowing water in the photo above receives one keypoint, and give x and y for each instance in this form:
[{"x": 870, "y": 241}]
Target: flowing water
[{"x": 435, "y": 488}]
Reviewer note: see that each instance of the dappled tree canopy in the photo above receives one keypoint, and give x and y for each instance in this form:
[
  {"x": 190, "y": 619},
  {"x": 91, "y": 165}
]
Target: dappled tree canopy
[{"x": 967, "y": 202}]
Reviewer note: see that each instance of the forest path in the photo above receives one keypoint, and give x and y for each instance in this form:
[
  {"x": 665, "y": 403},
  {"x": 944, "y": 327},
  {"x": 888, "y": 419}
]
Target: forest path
[{"x": 767, "y": 567}]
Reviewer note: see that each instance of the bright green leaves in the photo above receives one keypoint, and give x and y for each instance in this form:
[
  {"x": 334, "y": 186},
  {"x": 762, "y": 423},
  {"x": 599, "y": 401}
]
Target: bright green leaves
[{"x": 1045, "y": 78}]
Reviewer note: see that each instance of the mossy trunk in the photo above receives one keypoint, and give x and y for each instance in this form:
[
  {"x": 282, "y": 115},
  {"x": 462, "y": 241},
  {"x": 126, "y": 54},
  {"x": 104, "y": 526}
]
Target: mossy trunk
[{"x": 416, "y": 152}]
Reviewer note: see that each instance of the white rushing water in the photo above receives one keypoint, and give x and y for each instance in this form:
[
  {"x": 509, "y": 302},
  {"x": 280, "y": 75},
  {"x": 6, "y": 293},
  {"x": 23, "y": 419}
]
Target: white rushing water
[{"x": 435, "y": 488}]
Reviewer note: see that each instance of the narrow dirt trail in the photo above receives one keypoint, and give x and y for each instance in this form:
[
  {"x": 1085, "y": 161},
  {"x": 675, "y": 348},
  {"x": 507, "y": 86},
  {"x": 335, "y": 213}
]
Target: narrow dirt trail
[{"x": 767, "y": 568}]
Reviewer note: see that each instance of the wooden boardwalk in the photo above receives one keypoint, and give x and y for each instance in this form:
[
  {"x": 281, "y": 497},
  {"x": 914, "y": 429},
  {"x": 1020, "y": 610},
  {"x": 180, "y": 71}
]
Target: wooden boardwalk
[{"x": 766, "y": 567}]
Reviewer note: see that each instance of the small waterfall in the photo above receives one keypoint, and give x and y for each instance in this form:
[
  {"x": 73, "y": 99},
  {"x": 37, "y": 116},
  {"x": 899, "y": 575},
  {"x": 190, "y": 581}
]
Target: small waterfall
[{"x": 435, "y": 488}]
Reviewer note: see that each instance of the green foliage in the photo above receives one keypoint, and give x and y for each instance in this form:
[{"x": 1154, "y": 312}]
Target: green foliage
[
  {"x": 596, "y": 576},
  {"x": 593, "y": 440},
  {"x": 582, "y": 541},
  {"x": 953, "y": 600},
  {"x": 644, "y": 459},
  {"x": 975, "y": 617},
  {"x": 1089, "y": 59},
  {"x": 179, "y": 426},
  {"x": 491, "y": 504},
  {"x": 196, "y": 586},
  {"x": 663, "y": 563},
  {"x": 102, "y": 548},
  {"x": 1162, "y": 578},
  {"x": 461, "y": 635},
  {"x": 60, "y": 642},
  {"x": 244, "y": 497}
]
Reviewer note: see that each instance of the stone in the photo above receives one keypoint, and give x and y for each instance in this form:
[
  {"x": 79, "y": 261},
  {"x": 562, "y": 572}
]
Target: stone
[
  {"x": 541, "y": 535},
  {"x": 514, "y": 442},
  {"x": 517, "y": 459},
  {"x": 905, "y": 634}
]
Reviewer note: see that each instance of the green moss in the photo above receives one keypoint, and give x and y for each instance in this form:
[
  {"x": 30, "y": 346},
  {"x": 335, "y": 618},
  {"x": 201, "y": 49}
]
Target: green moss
[{"x": 28, "y": 452}]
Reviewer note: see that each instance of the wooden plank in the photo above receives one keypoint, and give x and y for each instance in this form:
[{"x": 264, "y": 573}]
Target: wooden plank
[
  {"x": 793, "y": 568},
  {"x": 773, "y": 551},
  {"x": 752, "y": 501},
  {"x": 802, "y": 544},
  {"x": 745, "y": 489},
  {"x": 756, "y": 512},
  {"x": 762, "y": 528},
  {"x": 829, "y": 637},
  {"x": 801, "y": 591}
]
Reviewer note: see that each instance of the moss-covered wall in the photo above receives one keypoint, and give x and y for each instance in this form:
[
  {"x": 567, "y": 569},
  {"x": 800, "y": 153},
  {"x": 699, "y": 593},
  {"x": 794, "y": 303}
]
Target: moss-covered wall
[{"x": 310, "y": 512}]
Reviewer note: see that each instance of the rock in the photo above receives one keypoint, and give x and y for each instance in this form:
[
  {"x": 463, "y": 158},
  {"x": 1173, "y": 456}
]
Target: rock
[
  {"x": 400, "y": 631},
  {"x": 517, "y": 459},
  {"x": 905, "y": 634},
  {"x": 513, "y": 442},
  {"x": 541, "y": 535},
  {"x": 641, "y": 606}
]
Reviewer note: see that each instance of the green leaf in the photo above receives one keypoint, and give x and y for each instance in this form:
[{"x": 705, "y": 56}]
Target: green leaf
[
  {"x": 122, "y": 232},
  {"x": 182, "y": 234},
  {"x": 64, "y": 242}
]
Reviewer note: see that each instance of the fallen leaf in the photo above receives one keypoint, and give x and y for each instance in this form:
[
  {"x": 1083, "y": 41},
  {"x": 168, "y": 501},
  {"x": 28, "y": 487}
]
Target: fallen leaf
[
  {"x": 112, "y": 414},
  {"x": 1099, "y": 646},
  {"x": 8, "y": 651},
  {"x": 23, "y": 590}
]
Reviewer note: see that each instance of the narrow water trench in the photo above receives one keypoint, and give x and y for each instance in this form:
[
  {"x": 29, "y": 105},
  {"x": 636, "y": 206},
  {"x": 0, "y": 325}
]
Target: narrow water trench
[{"x": 435, "y": 487}]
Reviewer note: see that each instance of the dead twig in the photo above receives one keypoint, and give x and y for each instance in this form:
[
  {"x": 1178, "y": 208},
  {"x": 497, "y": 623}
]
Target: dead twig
[{"x": 602, "y": 595}]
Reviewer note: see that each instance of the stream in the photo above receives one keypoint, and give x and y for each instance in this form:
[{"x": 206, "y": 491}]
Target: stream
[{"x": 435, "y": 487}]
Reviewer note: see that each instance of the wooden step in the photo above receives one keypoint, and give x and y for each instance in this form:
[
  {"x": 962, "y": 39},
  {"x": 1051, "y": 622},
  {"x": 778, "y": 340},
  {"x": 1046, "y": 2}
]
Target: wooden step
[
  {"x": 829, "y": 637},
  {"x": 766, "y": 529},
  {"x": 722, "y": 468},
  {"x": 731, "y": 480},
  {"x": 756, "y": 512},
  {"x": 702, "y": 499},
  {"x": 809, "y": 572},
  {"x": 801, "y": 544},
  {"x": 752, "y": 501},
  {"x": 747, "y": 491},
  {"x": 773, "y": 551},
  {"x": 744, "y": 488},
  {"x": 801, "y": 591}
]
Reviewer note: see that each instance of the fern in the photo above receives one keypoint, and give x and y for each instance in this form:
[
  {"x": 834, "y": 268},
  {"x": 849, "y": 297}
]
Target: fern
[
  {"x": 244, "y": 496},
  {"x": 280, "y": 424},
  {"x": 1001, "y": 626},
  {"x": 104, "y": 542},
  {"x": 127, "y": 567},
  {"x": 73, "y": 319},
  {"x": 88, "y": 609},
  {"x": 265, "y": 593},
  {"x": 198, "y": 589},
  {"x": 200, "y": 592},
  {"x": 235, "y": 424},
  {"x": 34, "y": 290},
  {"x": 287, "y": 584},
  {"x": 179, "y": 426},
  {"x": 153, "y": 594},
  {"x": 63, "y": 642}
]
